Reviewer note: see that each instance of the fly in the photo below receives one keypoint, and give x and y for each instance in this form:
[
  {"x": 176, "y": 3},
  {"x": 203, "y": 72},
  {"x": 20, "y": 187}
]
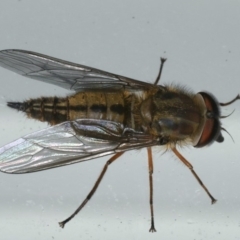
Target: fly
[{"x": 107, "y": 114}]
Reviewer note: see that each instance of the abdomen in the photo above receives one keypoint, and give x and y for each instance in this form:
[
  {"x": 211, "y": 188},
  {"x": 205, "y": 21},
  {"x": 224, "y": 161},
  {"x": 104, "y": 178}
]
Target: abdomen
[{"x": 95, "y": 105}]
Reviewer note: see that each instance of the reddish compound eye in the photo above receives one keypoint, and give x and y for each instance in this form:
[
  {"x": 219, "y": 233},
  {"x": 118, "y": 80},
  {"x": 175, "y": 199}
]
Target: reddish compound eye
[{"x": 212, "y": 128}]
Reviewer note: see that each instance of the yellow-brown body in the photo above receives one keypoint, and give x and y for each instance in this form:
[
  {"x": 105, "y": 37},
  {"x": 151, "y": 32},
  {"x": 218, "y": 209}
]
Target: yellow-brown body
[{"x": 168, "y": 112}]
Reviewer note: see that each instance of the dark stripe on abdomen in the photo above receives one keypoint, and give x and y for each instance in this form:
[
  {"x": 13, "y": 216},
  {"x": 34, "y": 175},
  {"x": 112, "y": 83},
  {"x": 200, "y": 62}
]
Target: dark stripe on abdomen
[
  {"x": 99, "y": 108},
  {"x": 117, "y": 108}
]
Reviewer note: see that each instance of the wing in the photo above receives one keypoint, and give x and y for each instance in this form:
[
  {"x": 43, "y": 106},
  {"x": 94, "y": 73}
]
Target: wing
[
  {"x": 62, "y": 73},
  {"x": 68, "y": 143}
]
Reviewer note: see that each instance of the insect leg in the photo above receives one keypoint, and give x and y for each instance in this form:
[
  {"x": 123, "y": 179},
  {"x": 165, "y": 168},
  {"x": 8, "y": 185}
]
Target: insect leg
[
  {"x": 112, "y": 159},
  {"x": 150, "y": 168},
  {"x": 163, "y": 60},
  {"x": 188, "y": 164},
  {"x": 232, "y": 101}
]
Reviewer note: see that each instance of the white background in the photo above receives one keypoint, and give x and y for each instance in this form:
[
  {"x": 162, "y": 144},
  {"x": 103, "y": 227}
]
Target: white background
[{"x": 201, "y": 40}]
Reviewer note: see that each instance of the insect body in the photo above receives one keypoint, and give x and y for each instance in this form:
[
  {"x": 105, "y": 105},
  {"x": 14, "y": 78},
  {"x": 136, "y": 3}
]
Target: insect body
[{"x": 108, "y": 114}]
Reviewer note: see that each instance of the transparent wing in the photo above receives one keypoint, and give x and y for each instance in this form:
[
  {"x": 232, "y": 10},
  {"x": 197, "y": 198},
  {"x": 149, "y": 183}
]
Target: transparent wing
[
  {"x": 68, "y": 143},
  {"x": 62, "y": 73}
]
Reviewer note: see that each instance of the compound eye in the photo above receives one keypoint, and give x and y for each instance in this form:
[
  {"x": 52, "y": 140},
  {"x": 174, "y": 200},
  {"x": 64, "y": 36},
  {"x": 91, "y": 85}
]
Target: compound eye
[
  {"x": 212, "y": 128},
  {"x": 211, "y": 132}
]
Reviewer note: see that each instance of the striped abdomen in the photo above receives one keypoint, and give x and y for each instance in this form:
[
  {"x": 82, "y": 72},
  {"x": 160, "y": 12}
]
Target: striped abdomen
[{"x": 95, "y": 105}]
